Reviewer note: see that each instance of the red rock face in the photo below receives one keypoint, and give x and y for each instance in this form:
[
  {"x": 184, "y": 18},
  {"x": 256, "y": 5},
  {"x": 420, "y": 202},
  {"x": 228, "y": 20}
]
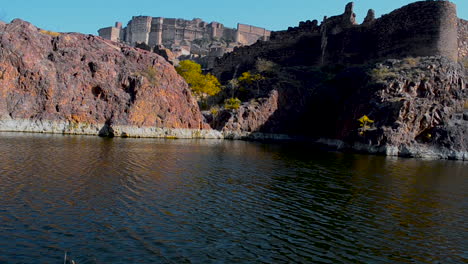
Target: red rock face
[{"x": 86, "y": 79}]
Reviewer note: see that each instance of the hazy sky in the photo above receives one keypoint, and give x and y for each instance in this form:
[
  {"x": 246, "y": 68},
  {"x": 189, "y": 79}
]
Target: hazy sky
[{"x": 87, "y": 16}]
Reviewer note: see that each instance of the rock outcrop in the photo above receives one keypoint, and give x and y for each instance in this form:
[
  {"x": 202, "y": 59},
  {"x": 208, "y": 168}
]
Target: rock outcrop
[
  {"x": 249, "y": 118},
  {"x": 417, "y": 105},
  {"x": 406, "y": 71},
  {"x": 75, "y": 83}
]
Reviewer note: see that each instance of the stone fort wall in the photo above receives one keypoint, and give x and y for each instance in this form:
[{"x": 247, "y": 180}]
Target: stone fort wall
[
  {"x": 427, "y": 28},
  {"x": 424, "y": 28},
  {"x": 113, "y": 33},
  {"x": 250, "y": 34},
  {"x": 462, "y": 39},
  {"x": 172, "y": 31}
]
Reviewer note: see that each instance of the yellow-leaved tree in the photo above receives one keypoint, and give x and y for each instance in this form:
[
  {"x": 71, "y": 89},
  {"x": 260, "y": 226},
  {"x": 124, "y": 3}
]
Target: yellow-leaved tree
[
  {"x": 248, "y": 79},
  {"x": 200, "y": 84},
  {"x": 365, "y": 123}
]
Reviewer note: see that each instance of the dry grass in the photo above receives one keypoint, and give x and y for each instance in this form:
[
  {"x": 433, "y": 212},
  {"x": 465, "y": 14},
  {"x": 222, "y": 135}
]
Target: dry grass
[
  {"x": 466, "y": 105},
  {"x": 381, "y": 74},
  {"x": 410, "y": 62},
  {"x": 465, "y": 62},
  {"x": 151, "y": 74},
  {"x": 50, "y": 33}
]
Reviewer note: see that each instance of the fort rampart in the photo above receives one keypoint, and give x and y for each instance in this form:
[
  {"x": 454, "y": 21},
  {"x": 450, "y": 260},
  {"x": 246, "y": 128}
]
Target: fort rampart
[
  {"x": 172, "y": 31},
  {"x": 424, "y": 28},
  {"x": 462, "y": 39}
]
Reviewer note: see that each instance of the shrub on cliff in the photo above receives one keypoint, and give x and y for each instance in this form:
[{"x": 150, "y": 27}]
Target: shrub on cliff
[
  {"x": 265, "y": 66},
  {"x": 232, "y": 103},
  {"x": 200, "y": 84},
  {"x": 248, "y": 81},
  {"x": 151, "y": 74},
  {"x": 365, "y": 124},
  {"x": 382, "y": 74}
]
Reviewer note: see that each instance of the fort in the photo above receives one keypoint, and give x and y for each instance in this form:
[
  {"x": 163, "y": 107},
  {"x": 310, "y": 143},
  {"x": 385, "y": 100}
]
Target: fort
[
  {"x": 423, "y": 28},
  {"x": 184, "y": 37}
]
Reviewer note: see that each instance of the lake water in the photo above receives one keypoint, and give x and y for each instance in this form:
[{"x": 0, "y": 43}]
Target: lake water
[{"x": 209, "y": 201}]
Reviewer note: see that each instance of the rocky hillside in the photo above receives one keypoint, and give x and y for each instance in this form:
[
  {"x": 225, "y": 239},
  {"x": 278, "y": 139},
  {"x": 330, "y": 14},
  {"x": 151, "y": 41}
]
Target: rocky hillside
[
  {"x": 75, "y": 83},
  {"x": 418, "y": 106},
  {"x": 403, "y": 75}
]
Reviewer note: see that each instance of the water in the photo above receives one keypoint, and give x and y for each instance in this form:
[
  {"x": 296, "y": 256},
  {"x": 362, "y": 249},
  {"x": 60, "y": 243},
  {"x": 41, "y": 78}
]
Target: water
[{"x": 181, "y": 201}]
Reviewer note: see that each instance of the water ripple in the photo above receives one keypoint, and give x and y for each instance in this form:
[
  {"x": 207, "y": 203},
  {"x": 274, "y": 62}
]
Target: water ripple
[{"x": 160, "y": 201}]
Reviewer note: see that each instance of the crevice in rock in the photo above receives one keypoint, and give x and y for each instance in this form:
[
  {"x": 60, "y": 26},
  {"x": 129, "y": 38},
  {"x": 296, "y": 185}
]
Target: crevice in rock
[
  {"x": 51, "y": 57},
  {"x": 129, "y": 86},
  {"x": 93, "y": 67},
  {"x": 98, "y": 92}
]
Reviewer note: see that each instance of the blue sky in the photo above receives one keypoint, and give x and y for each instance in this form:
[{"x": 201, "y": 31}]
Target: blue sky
[{"x": 86, "y": 16}]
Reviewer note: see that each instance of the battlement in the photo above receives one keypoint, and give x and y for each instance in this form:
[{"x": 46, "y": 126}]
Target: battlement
[
  {"x": 423, "y": 28},
  {"x": 176, "y": 32}
]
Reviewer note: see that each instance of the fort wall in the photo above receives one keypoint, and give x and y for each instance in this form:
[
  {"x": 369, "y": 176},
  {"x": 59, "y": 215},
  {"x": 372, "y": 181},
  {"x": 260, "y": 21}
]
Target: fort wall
[
  {"x": 427, "y": 28},
  {"x": 424, "y": 28},
  {"x": 250, "y": 34},
  {"x": 112, "y": 33},
  {"x": 462, "y": 39},
  {"x": 176, "y": 32},
  {"x": 138, "y": 30}
]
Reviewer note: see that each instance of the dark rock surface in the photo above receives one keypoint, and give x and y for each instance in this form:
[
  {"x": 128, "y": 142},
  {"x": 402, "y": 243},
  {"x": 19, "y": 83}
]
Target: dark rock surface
[
  {"x": 416, "y": 103},
  {"x": 423, "y": 28},
  {"x": 84, "y": 79},
  {"x": 250, "y": 117}
]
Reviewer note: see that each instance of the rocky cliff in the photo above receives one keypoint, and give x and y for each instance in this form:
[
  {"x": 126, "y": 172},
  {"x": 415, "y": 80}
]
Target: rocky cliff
[
  {"x": 83, "y": 84},
  {"x": 405, "y": 71},
  {"x": 418, "y": 107}
]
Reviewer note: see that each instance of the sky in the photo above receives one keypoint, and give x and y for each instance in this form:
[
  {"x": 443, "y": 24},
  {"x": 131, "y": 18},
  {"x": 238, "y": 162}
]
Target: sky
[{"x": 87, "y": 16}]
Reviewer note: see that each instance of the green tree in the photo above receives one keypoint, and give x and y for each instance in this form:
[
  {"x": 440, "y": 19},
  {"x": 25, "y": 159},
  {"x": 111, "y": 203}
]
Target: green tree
[{"x": 200, "y": 84}]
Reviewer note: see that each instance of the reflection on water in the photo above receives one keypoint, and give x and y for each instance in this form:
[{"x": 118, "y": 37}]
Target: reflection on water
[{"x": 188, "y": 201}]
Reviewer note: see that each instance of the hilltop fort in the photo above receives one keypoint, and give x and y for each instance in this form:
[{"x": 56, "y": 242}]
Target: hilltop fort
[
  {"x": 424, "y": 28},
  {"x": 406, "y": 70},
  {"x": 184, "y": 37}
]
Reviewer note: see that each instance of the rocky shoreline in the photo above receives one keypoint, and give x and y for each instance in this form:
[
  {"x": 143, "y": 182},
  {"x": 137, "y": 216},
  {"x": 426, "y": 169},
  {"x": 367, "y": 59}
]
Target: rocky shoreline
[
  {"x": 73, "y": 128},
  {"x": 69, "y": 128}
]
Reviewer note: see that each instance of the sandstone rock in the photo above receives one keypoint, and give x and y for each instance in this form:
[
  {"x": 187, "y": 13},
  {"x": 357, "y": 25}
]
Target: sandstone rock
[
  {"x": 249, "y": 117},
  {"x": 166, "y": 54},
  {"x": 78, "y": 80}
]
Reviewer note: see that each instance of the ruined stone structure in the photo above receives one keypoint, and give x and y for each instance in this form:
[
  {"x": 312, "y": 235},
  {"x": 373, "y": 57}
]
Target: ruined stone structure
[
  {"x": 425, "y": 28},
  {"x": 112, "y": 33},
  {"x": 179, "y": 35},
  {"x": 462, "y": 39}
]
